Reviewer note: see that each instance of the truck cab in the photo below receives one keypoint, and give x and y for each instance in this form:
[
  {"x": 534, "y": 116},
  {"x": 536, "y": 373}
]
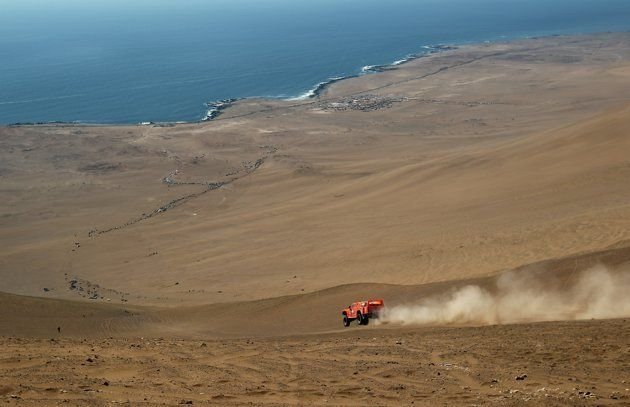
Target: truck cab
[{"x": 362, "y": 311}]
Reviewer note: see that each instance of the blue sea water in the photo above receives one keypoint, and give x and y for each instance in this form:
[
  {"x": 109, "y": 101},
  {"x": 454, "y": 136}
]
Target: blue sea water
[{"x": 131, "y": 61}]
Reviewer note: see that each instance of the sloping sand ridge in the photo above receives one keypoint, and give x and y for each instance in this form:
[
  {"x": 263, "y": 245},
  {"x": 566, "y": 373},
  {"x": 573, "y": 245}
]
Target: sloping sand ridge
[{"x": 479, "y": 186}]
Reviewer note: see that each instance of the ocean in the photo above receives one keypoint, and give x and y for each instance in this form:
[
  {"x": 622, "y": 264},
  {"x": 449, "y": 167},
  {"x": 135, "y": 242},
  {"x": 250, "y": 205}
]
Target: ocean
[{"x": 163, "y": 60}]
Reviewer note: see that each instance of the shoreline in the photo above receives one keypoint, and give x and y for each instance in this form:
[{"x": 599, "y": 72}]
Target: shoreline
[
  {"x": 217, "y": 108},
  {"x": 318, "y": 89}
]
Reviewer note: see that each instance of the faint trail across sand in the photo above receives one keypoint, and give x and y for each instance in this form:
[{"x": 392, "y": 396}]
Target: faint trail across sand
[{"x": 250, "y": 168}]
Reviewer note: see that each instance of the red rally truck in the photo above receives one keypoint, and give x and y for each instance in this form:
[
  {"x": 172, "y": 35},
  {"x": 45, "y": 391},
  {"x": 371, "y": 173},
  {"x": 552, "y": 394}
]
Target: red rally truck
[{"x": 362, "y": 311}]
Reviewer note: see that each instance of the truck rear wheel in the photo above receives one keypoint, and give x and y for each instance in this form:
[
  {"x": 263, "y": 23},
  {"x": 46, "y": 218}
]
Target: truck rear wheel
[
  {"x": 359, "y": 319},
  {"x": 346, "y": 321}
]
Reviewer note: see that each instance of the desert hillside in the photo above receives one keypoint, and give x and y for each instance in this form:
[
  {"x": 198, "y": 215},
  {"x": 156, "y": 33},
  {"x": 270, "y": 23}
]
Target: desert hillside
[
  {"x": 481, "y": 191},
  {"x": 459, "y": 165}
]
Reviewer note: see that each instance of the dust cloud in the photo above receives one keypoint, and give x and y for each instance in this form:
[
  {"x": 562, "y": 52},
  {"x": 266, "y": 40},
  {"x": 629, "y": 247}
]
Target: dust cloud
[{"x": 596, "y": 293}]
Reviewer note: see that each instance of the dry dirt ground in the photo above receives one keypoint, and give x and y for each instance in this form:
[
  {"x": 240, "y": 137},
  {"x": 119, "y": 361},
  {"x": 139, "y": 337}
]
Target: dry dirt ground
[
  {"x": 249, "y": 233},
  {"x": 545, "y": 364}
]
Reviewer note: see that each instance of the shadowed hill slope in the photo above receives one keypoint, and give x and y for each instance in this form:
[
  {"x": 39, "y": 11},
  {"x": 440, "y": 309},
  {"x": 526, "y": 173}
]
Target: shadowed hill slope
[{"x": 311, "y": 313}]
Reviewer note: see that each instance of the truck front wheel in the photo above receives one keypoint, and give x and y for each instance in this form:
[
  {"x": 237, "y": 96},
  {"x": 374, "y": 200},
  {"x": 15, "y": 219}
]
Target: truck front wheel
[{"x": 346, "y": 321}]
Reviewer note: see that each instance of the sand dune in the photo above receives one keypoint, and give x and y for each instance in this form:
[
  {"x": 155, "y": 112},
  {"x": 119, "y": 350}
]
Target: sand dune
[
  {"x": 319, "y": 312},
  {"x": 469, "y": 163},
  {"x": 452, "y": 171},
  {"x": 388, "y": 196}
]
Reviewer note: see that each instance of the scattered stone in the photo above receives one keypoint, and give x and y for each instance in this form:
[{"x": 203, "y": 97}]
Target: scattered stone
[
  {"x": 363, "y": 103},
  {"x": 105, "y": 383},
  {"x": 46, "y": 289},
  {"x": 586, "y": 394},
  {"x": 216, "y": 108},
  {"x": 89, "y": 360},
  {"x": 521, "y": 377},
  {"x": 204, "y": 345},
  {"x": 100, "y": 167}
]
